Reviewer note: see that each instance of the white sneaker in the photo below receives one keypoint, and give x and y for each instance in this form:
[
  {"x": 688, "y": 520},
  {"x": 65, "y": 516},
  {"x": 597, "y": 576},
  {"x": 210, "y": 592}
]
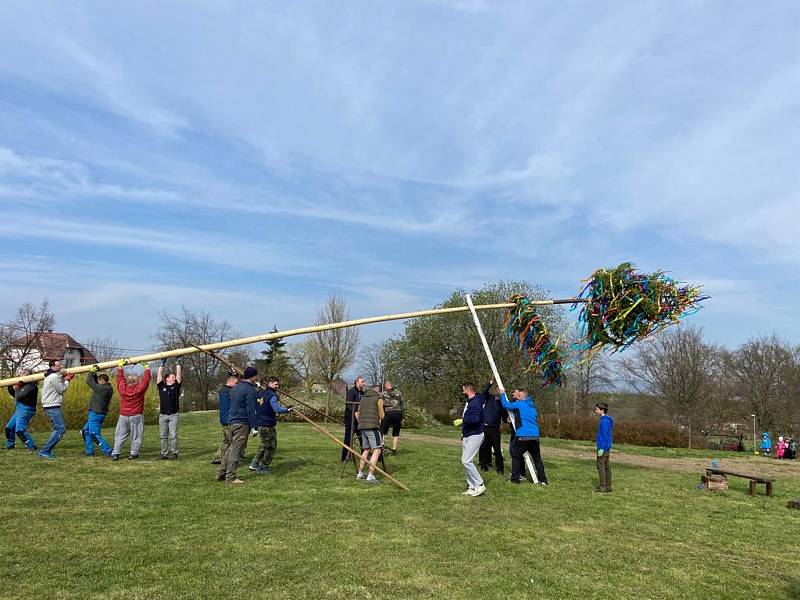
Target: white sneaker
[
  {"x": 478, "y": 491},
  {"x": 469, "y": 492},
  {"x": 361, "y": 476}
]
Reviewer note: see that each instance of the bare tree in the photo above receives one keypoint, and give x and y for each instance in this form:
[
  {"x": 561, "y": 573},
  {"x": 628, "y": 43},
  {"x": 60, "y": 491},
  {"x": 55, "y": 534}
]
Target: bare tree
[
  {"x": 373, "y": 362},
  {"x": 588, "y": 377},
  {"x": 300, "y": 358},
  {"x": 194, "y": 328},
  {"x": 104, "y": 348},
  {"x": 678, "y": 367},
  {"x": 762, "y": 373},
  {"x": 20, "y": 338},
  {"x": 334, "y": 350}
]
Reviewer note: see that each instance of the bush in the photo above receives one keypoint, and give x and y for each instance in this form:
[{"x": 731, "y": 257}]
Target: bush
[
  {"x": 76, "y": 405},
  {"x": 639, "y": 433}
]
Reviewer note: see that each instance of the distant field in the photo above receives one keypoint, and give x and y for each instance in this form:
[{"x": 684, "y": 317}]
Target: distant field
[{"x": 88, "y": 528}]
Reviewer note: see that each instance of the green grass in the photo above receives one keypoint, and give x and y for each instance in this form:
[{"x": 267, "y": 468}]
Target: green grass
[{"x": 88, "y": 528}]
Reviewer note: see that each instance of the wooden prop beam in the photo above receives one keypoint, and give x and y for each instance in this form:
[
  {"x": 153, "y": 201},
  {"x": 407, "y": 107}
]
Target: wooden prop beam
[
  {"x": 110, "y": 364},
  {"x": 308, "y": 420},
  {"x": 497, "y": 379}
]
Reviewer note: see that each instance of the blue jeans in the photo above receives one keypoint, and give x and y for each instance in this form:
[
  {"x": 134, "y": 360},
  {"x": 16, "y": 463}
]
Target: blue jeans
[
  {"x": 56, "y": 418},
  {"x": 18, "y": 424},
  {"x": 92, "y": 434}
]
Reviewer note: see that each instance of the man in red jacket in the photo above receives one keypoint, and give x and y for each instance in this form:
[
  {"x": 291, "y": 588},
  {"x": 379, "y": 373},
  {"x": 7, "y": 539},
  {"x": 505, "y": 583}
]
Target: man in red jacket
[{"x": 131, "y": 410}]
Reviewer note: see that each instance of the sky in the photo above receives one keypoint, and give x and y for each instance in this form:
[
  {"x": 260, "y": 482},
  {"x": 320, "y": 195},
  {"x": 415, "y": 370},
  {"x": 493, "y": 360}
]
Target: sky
[{"x": 249, "y": 158}]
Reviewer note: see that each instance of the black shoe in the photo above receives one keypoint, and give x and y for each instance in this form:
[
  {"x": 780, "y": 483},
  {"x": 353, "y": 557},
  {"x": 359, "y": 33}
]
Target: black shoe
[
  {"x": 133, "y": 456},
  {"x": 514, "y": 481},
  {"x": 484, "y": 468},
  {"x": 164, "y": 457},
  {"x": 115, "y": 457},
  {"x": 173, "y": 457}
]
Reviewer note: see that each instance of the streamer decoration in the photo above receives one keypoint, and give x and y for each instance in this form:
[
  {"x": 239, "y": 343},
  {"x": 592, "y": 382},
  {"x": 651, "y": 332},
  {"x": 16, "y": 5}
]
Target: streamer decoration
[{"x": 524, "y": 323}]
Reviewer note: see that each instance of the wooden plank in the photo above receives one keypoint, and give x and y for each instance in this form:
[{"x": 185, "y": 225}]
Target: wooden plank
[{"x": 756, "y": 478}]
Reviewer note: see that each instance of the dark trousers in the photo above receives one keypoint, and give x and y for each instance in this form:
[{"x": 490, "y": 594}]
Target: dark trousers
[
  {"x": 230, "y": 462},
  {"x": 518, "y": 450},
  {"x": 349, "y": 427},
  {"x": 491, "y": 441},
  {"x": 604, "y": 471}
]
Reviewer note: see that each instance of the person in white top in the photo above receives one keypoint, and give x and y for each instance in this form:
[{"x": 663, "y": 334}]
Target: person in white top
[{"x": 55, "y": 384}]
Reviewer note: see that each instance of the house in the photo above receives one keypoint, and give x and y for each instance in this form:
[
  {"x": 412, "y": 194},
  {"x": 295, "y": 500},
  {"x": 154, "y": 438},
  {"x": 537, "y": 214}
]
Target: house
[{"x": 32, "y": 353}]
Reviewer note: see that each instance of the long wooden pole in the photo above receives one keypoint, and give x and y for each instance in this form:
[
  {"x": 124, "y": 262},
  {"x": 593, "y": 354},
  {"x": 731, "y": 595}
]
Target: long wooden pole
[
  {"x": 355, "y": 454},
  {"x": 110, "y": 364},
  {"x": 497, "y": 379}
]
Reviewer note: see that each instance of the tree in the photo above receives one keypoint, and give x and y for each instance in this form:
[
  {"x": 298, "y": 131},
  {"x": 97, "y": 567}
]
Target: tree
[
  {"x": 763, "y": 372},
  {"x": 373, "y": 362},
  {"x": 677, "y": 366},
  {"x": 104, "y": 347},
  {"x": 275, "y": 361},
  {"x": 588, "y": 377},
  {"x": 299, "y": 356},
  {"x": 20, "y": 338},
  {"x": 332, "y": 351},
  {"x": 194, "y": 328},
  {"x": 436, "y": 354}
]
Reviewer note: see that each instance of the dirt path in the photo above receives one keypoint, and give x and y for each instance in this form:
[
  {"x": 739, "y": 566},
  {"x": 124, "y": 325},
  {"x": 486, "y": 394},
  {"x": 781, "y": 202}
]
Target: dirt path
[{"x": 745, "y": 464}]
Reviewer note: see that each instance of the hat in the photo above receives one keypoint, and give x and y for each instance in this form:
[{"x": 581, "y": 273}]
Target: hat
[{"x": 249, "y": 372}]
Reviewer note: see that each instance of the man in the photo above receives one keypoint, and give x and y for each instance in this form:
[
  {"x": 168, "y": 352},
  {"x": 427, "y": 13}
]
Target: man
[
  {"x": 224, "y": 409},
  {"x": 241, "y": 418},
  {"x": 471, "y": 423},
  {"x": 267, "y": 406},
  {"x": 605, "y": 434},
  {"x": 55, "y": 384},
  {"x": 395, "y": 412},
  {"x": 98, "y": 409},
  {"x": 131, "y": 410},
  {"x": 169, "y": 396},
  {"x": 369, "y": 416},
  {"x": 351, "y": 402},
  {"x": 526, "y": 419},
  {"x": 24, "y": 395},
  {"x": 492, "y": 416}
]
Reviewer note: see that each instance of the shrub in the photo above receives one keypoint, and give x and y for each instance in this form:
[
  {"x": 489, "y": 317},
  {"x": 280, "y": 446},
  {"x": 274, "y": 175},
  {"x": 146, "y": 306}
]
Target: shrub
[
  {"x": 639, "y": 433},
  {"x": 76, "y": 405}
]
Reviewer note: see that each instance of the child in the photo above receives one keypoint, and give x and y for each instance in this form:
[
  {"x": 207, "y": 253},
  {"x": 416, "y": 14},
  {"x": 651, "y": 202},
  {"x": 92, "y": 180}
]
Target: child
[
  {"x": 780, "y": 448},
  {"x": 766, "y": 443},
  {"x": 605, "y": 429}
]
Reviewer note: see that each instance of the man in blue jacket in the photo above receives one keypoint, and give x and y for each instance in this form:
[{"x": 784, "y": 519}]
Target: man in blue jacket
[
  {"x": 526, "y": 419},
  {"x": 471, "y": 423},
  {"x": 241, "y": 418},
  {"x": 267, "y": 406},
  {"x": 224, "y": 409},
  {"x": 605, "y": 430}
]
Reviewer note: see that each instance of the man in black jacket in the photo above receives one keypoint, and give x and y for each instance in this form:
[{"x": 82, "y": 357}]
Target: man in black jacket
[
  {"x": 351, "y": 403},
  {"x": 92, "y": 433},
  {"x": 24, "y": 395},
  {"x": 493, "y": 414}
]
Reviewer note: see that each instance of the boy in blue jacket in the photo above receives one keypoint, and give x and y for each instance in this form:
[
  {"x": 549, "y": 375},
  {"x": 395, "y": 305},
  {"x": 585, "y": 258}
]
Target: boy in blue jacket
[
  {"x": 471, "y": 423},
  {"x": 605, "y": 430},
  {"x": 267, "y": 406},
  {"x": 526, "y": 419}
]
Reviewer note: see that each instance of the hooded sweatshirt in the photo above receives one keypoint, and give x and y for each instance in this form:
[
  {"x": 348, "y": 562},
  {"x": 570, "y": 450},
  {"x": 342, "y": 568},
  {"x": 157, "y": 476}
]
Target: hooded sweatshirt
[
  {"x": 53, "y": 390},
  {"x": 101, "y": 394},
  {"x": 131, "y": 397},
  {"x": 526, "y": 419},
  {"x": 25, "y": 395},
  {"x": 605, "y": 431}
]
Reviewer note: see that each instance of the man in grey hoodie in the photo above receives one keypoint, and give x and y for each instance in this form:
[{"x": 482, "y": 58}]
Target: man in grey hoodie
[{"x": 55, "y": 384}]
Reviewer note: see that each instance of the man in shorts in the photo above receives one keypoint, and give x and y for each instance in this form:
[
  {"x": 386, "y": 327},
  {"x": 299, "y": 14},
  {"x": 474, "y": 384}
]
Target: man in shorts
[{"x": 369, "y": 416}]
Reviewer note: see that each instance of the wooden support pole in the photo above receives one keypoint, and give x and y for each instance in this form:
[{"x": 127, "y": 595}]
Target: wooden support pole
[
  {"x": 110, "y": 364},
  {"x": 497, "y": 379},
  {"x": 308, "y": 420}
]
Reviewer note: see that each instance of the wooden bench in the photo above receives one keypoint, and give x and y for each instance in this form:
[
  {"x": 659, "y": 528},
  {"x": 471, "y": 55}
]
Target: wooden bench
[{"x": 754, "y": 479}]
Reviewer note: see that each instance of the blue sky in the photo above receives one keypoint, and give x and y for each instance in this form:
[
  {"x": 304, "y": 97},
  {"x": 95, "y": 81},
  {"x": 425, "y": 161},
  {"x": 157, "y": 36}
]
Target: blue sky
[{"x": 247, "y": 158}]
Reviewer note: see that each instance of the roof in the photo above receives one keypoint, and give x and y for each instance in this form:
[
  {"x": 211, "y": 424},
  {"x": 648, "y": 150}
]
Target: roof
[{"x": 53, "y": 346}]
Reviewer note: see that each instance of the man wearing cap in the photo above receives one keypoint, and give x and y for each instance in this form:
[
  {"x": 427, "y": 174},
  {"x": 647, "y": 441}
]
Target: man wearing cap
[{"x": 241, "y": 418}]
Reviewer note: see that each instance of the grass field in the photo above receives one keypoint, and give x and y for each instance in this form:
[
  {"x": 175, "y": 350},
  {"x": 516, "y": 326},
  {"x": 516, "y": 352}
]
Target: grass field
[{"x": 78, "y": 527}]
